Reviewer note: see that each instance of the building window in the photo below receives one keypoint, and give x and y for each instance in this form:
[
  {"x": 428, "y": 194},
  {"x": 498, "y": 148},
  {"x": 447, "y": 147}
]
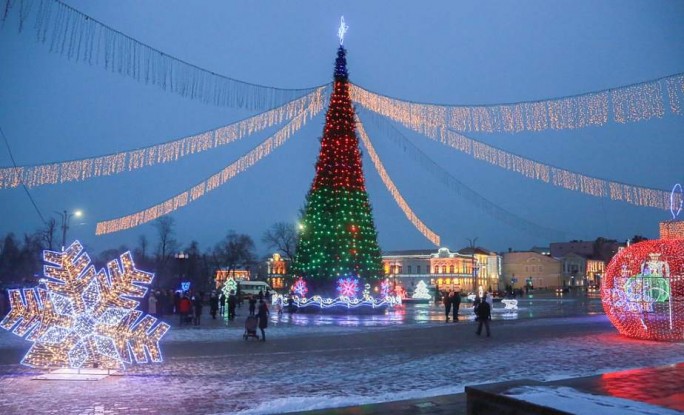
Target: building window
[
  {"x": 451, "y": 269},
  {"x": 417, "y": 269},
  {"x": 408, "y": 268}
]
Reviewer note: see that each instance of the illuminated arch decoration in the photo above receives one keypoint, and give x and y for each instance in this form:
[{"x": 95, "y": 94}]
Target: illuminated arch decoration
[
  {"x": 643, "y": 290},
  {"x": 81, "y": 318}
]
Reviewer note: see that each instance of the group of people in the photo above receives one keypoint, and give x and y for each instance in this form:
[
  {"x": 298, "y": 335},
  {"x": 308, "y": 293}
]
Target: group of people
[{"x": 482, "y": 307}]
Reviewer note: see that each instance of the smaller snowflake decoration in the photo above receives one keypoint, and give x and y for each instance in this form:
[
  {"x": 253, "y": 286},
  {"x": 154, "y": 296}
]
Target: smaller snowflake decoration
[
  {"x": 348, "y": 287},
  {"x": 385, "y": 288},
  {"x": 299, "y": 287},
  {"x": 78, "y": 317}
]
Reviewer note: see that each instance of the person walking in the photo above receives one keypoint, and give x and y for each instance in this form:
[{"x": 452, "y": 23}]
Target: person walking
[
  {"x": 447, "y": 305},
  {"x": 262, "y": 315},
  {"x": 222, "y": 302},
  {"x": 152, "y": 305},
  {"x": 184, "y": 309},
  {"x": 213, "y": 304},
  {"x": 232, "y": 301},
  {"x": 456, "y": 304},
  {"x": 252, "y": 305},
  {"x": 197, "y": 308},
  {"x": 484, "y": 314}
]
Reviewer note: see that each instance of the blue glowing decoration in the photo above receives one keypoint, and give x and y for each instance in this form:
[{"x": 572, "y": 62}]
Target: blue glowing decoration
[
  {"x": 185, "y": 286},
  {"x": 78, "y": 317}
]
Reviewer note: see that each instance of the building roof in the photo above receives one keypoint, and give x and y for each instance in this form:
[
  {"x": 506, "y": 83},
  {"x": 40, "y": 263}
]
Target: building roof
[
  {"x": 410, "y": 252},
  {"x": 478, "y": 251}
]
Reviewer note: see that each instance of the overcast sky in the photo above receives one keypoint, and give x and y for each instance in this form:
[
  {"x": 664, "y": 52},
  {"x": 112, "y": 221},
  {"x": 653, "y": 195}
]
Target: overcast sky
[{"x": 475, "y": 52}]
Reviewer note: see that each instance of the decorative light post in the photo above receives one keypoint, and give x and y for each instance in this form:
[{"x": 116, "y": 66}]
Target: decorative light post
[
  {"x": 472, "y": 263},
  {"x": 65, "y": 216},
  {"x": 181, "y": 256}
]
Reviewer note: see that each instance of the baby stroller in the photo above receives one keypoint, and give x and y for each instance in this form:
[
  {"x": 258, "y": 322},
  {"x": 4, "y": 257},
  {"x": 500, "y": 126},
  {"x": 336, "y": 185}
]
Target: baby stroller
[{"x": 250, "y": 328}]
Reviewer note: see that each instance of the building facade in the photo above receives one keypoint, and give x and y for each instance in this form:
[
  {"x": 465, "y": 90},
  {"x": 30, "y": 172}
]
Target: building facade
[
  {"x": 237, "y": 274},
  {"x": 531, "y": 269},
  {"x": 443, "y": 270}
]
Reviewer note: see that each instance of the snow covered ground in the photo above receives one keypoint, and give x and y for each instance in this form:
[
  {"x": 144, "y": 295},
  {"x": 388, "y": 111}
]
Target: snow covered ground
[{"x": 318, "y": 361}]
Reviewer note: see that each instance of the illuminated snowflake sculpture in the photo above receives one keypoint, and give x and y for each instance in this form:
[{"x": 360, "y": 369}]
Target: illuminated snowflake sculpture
[
  {"x": 78, "y": 317},
  {"x": 348, "y": 287},
  {"x": 299, "y": 287}
]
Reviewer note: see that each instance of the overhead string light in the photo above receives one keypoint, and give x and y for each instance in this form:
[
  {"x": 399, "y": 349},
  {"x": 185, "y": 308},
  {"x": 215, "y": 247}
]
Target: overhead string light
[
  {"x": 460, "y": 189},
  {"x": 631, "y": 103},
  {"x": 111, "y": 164},
  {"x": 81, "y": 38},
  {"x": 567, "y": 179},
  {"x": 389, "y": 184},
  {"x": 215, "y": 181}
]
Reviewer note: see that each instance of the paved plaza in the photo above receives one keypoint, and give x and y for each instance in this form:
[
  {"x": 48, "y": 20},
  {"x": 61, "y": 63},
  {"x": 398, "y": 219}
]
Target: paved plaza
[{"x": 318, "y": 362}]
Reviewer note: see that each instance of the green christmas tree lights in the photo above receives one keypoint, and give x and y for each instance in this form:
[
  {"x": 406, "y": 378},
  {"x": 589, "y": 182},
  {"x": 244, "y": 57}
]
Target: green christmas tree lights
[{"x": 337, "y": 234}]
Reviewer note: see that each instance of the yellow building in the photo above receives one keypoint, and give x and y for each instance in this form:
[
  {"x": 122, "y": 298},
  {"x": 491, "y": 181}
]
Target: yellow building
[
  {"x": 276, "y": 271},
  {"x": 443, "y": 270},
  {"x": 522, "y": 269},
  {"x": 237, "y": 274}
]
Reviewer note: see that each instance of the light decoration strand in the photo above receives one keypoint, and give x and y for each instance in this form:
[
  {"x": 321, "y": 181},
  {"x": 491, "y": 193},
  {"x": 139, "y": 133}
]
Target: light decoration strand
[
  {"x": 81, "y": 38},
  {"x": 466, "y": 193},
  {"x": 631, "y": 103},
  {"x": 125, "y": 161},
  {"x": 344, "y": 303},
  {"x": 78, "y": 317},
  {"x": 215, "y": 181},
  {"x": 567, "y": 179},
  {"x": 392, "y": 188}
]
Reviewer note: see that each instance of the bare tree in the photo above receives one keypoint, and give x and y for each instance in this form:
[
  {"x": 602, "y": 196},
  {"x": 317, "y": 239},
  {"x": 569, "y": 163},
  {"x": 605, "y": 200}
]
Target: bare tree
[
  {"x": 47, "y": 233},
  {"x": 283, "y": 237},
  {"x": 167, "y": 246},
  {"x": 234, "y": 251}
]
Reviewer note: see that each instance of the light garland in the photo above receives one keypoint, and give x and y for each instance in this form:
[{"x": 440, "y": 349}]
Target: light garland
[
  {"x": 643, "y": 290},
  {"x": 79, "y": 317},
  {"x": 344, "y": 303},
  {"x": 81, "y": 38},
  {"x": 461, "y": 190},
  {"x": 111, "y": 164},
  {"x": 389, "y": 184},
  {"x": 635, "y": 195},
  {"x": 215, "y": 181},
  {"x": 631, "y": 103}
]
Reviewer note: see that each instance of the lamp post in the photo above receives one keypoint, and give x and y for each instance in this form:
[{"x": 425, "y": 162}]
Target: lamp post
[
  {"x": 65, "y": 216},
  {"x": 180, "y": 256},
  {"x": 472, "y": 262}
]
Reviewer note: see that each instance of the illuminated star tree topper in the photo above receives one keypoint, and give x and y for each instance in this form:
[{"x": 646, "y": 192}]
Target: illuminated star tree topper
[{"x": 342, "y": 30}]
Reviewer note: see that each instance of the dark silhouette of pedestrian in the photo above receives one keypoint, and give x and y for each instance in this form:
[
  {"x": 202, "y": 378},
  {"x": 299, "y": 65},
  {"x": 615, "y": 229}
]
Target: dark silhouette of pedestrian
[
  {"x": 222, "y": 302},
  {"x": 261, "y": 295},
  {"x": 484, "y": 314},
  {"x": 232, "y": 301},
  {"x": 213, "y": 304},
  {"x": 197, "y": 308},
  {"x": 456, "y": 304},
  {"x": 184, "y": 309},
  {"x": 447, "y": 306},
  {"x": 252, "y": 305},
  {"x": 262, "y": 315}
]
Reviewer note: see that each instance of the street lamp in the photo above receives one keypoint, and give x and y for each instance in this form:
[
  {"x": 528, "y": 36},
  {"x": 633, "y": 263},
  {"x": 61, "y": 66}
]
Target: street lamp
[
  {"x": 65, "y": 216},
  {"x": 472, "y": 262},
  {"x": 181, "y": 256}
]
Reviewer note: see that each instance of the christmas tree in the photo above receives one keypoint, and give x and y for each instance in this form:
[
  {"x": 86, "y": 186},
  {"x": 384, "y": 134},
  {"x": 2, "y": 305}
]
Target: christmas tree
[{"x": 337, "y": 234}]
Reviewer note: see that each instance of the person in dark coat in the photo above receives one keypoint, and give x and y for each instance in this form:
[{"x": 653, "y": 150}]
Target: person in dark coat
[
  {"x": 197, "y": 308},
  {"x": 232, "y": 302},
  {"x": 252, "y": 305},
  {"x": 222, "y": 302},
  {"x": 447, "y": 305},
  {"x": 456, "y": 304},
  {"x": 213, "y": 304},
  {"x": 484, "y": 314},
  {"x": 262, "y": 315}
]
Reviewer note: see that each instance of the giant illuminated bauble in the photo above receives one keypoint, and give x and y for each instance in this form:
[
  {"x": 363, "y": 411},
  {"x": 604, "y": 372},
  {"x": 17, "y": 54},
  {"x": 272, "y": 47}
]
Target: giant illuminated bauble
[{"x": 643, "y": 290}]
